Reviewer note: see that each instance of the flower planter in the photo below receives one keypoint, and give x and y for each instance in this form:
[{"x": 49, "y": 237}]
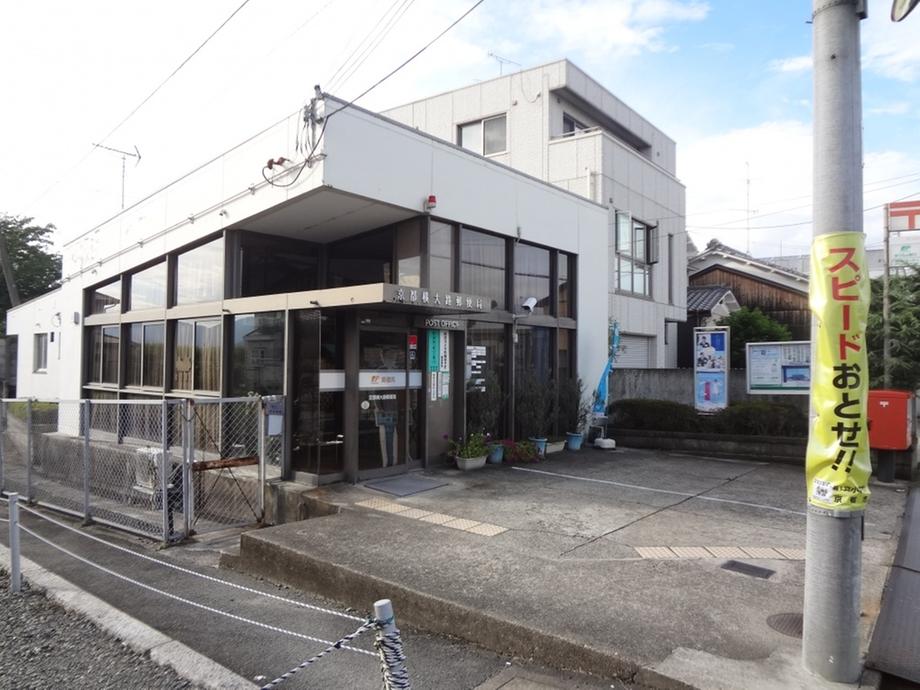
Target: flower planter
[
  {"x": 496, "y": 453},
  {"x": 467, "y": 464},
  {"x": 574, "y": 441},
  {"x": 555, "y": 447},
  {"x": 540, "y": 444}
]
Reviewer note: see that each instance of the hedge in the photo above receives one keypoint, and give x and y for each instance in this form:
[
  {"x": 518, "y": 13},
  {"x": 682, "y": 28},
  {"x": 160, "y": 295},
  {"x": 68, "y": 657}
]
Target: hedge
[{"x": 744, "y": 418}]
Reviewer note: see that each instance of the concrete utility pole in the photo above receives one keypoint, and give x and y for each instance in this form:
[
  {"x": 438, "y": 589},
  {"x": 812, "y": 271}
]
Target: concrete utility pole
[
  {"x": 833, "y": 552},
  {"x": 886, "y": 304}
]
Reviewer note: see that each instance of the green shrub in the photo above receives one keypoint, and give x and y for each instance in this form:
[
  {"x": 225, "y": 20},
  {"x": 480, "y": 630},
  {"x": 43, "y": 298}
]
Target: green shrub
[
  {"x": 757, "y": 418},
  {"x": 750, "y": 418},
  {"x": 656, "y": 415}
]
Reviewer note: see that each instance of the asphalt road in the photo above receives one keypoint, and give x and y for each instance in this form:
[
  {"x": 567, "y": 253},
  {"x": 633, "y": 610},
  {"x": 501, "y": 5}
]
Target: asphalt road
[{"x": 253, "y": 652}]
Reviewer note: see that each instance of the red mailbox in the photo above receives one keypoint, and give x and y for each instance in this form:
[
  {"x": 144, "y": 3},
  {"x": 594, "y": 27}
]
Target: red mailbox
[{"x": 891, "y": 419}]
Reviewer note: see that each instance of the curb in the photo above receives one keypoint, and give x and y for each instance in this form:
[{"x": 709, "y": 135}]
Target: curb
[{"x": 137, "y": 635}]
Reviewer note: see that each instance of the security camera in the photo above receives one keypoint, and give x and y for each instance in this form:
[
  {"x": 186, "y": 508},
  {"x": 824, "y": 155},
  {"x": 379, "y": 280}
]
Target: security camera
[{"x": 529, "y": 304}]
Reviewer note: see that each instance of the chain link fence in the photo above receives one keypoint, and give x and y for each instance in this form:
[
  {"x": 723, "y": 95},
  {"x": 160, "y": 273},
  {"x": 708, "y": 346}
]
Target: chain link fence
[{"x": 164, "y": 469}]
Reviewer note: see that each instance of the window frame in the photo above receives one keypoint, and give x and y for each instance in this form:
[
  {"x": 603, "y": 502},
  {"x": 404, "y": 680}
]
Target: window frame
[
  {"x": 578, "y": 125},
  {"x": 40, "y": 353},
  {"x": 482, "y": 134},
  {"x": 173, "y": 345},
  {"x": 647, "y": 245}
]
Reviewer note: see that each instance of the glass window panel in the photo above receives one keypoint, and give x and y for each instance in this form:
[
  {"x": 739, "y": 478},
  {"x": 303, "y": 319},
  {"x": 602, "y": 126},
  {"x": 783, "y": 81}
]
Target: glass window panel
[
  {"x": 273, "y": 265},
  {"x": 133, "y": 375},
  {"x": 533, "y": 352},
  {"x": 95, "y": 348},
  {"x": 494, "y": 135},
  {"x": 566, "y": 340},
  {"x": 361, "y": 260},
  {"x": 200, "y": 274},
  {"x": 317, "y": 419},
  {"x": 408, "y": 253},
  {"x": 441, "y": 256},
  {"x": 624, "y": 234},
  {"x": 640, "y": 279},
  {"x": 485, "y": 406},
  {"x": 626, "y": 274},
  {"x": 148, "y": 287},
  {"x": 483, "y": 266},
  {"x": 258, "y": 354},
  {"x": 154, "y": 350},
  {"x": 185, "y": 349},
  {"x": 471, "y": 136},
  {"x": 531, "y": 277},
  {"x": 110, "y": 354},
  {"x": 106, "y": 298},
  {"x": 640, "y": 232},
  {"x": 331, "y": 352},
  {"x": 40, "y": 354},
  {"x": 562, "y": 276},
  {"x": 207, "y": 355}
]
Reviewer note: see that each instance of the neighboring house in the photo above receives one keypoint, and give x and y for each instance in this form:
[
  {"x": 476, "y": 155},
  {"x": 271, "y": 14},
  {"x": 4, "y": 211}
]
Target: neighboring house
[
  {"x": 706, "y": 305},
  {"x": 557, "y": 124},
  {"x": 359, "y": 282},
  {"x": 779, "y": 292},
  {"x": 875, "y": 259}
]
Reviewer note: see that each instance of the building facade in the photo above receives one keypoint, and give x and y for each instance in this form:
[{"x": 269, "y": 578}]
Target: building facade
[
  {"x": 375, "y": 277},
  {"x": 557, "y": 124}
]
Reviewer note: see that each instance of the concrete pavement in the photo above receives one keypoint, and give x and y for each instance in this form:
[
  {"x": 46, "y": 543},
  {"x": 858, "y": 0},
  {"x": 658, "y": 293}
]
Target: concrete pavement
[{"x": 610, "y": 563}]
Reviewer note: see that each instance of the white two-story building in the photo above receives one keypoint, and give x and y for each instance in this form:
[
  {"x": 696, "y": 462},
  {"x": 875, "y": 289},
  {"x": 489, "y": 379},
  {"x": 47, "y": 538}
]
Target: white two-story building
[{"x": 558, "y": 124}]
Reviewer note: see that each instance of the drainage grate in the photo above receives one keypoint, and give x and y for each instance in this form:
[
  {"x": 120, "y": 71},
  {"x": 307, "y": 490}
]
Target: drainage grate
[
  {"x": 748, "y": 569},
  {"x": 786, "y": 623}
]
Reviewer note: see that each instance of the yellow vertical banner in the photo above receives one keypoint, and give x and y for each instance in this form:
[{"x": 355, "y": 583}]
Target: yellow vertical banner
[{"x": 837, "y": 465}]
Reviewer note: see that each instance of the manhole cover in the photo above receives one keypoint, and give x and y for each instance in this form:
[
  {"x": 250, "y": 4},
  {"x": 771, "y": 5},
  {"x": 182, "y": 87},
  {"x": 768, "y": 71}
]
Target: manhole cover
[
  {"x": 786, "y": 623},
  {"x": 748, "y": 569}
]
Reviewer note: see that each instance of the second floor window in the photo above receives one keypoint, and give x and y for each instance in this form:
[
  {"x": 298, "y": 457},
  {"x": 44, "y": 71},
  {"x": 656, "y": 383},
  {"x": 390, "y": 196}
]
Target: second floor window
[
  {"x": 636, "y": 251},
  {"x": 485, "y": 137}
]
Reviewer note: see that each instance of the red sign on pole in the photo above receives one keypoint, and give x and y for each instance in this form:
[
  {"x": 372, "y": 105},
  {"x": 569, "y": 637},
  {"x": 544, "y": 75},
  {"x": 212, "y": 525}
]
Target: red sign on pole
[{"x": 903, "y": 215}]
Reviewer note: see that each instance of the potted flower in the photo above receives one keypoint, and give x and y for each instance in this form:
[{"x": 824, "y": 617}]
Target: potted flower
[
  {"x": 535, "y": 409},
  {"x": 573, "y": 412},
  {"x": 469, "y": 453},
  {"x": 485, "y": 401},
  {"x": 521, "y": 451}
]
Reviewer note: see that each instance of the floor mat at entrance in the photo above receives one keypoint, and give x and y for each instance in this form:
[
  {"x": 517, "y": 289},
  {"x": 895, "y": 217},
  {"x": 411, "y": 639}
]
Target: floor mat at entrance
[{"x": 405, "y": 485}]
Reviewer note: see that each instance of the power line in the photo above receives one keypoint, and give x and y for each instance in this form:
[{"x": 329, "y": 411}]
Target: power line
[{"x": 143, "y": 102}]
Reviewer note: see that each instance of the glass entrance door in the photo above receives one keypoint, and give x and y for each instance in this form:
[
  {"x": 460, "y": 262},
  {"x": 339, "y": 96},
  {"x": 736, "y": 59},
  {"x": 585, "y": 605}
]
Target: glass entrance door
[{"x": 389, "y": 385}]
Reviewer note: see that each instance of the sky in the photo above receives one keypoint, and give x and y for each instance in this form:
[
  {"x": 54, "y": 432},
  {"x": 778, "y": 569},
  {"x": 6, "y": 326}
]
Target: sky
[{"x": 729, "y": 80}]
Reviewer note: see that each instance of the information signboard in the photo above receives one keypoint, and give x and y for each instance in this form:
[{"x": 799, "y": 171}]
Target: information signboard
[
  {"x": 779, "y": 368},
  {"x": 710, "y": 367}
]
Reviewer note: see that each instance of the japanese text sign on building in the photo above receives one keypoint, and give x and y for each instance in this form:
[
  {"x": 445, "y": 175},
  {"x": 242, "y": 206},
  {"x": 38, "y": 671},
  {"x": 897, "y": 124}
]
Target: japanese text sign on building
[{"x": 837, "y": 463}]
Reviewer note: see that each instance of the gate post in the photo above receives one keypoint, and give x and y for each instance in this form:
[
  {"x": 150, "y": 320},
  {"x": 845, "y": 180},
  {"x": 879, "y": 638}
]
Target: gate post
[
  {"x": 87, "y": 460},
  {"x": 15, "y": 573},
  {"x": 164, "y": 471},
  {"x": 29, "y": 451},
  {"x": 262, "y": 408},
  {"x": 188, "y": 488}
]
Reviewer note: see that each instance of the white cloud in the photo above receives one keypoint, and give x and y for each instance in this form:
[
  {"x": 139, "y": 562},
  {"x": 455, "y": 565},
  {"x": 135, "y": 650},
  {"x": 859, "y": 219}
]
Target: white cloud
[
  {"x": 630, "y": 27},
  {"x": 897, "y": 108},
  {"x": 800, "y": 63},
  {"x": 719, "y": 47},
  {"x": 891, "y": 49}
]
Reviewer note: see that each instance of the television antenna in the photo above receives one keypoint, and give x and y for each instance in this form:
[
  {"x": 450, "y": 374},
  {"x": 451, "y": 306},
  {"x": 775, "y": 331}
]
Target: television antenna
[
  {"x": 502, "y": 61},
  {"x": 124, "y": 157}
]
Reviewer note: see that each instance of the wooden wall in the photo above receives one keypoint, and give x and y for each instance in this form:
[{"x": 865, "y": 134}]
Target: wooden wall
[{"x": 788, "y": 307}]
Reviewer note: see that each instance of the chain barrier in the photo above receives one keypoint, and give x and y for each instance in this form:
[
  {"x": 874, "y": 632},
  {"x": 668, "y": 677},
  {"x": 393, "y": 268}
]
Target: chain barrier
[
  {"x": 183, "y": 600},
  {"x": 188, "y": 571},
  {"x": 331, "y": 648}
]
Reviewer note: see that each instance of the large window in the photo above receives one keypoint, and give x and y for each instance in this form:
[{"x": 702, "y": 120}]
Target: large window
[
  {"x": 441, "y": 256},
  {"x": 566, "y": 287},
  {"x": 148, "y": 288},
  {"x": 483, "y": 266},
  {"x": 533, "y": 353},
  {"x": 273, "y": 265},
  {"x": 200, "y": 273},
  {"x": 485, "y": 137},
  {"x": 197, "y": 355},
  {"x": 106, "y": 298},
  {"x": 257, "y": 364},
  {"x": 103, "y": 349},
  {"x": 636, "y": 251},
  {"x": 531, "y": 277},
  {"x": 485, "y": 382},
  {"x": 367, "y": 258},
  {"x": 408, "y": 253},
  {"x": 40, "y": 353},
  {"x": 146, "y": 344}
]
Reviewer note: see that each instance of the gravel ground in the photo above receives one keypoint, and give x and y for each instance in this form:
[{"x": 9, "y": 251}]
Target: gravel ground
[{"x": 42, "y": 645}]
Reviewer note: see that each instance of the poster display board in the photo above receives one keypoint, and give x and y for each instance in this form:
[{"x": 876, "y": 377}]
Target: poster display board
[
  {"x": 710, "y": 368},
  {"x": 779, "y": 368}
]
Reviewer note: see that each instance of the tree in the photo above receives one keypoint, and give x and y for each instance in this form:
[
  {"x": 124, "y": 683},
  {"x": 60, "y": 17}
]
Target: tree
[
  {"x": 904, "y": 361},
  {"x": 36, "y": 267},
  {"x": 751, "y": 326}
]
